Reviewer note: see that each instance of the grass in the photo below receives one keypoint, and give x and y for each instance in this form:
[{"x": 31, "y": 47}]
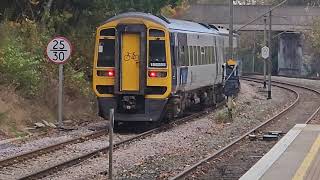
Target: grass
[
  {"x": 223, "y": 116},
  {"x": 10, "y": 127},
  {"x": 3, "y": 117}
]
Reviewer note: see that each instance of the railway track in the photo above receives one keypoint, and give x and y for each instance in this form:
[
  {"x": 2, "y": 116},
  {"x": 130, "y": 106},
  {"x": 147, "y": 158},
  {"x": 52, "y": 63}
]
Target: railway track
[
  {"x": 233, "y": 160},
  {"x": 26, "y": 166},
  {"x": 48, "y": 149}
]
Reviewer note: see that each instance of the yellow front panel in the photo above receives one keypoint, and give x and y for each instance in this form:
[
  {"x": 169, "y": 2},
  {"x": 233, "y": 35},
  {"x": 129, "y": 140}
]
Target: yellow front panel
[{"x": 130, "y": 62}]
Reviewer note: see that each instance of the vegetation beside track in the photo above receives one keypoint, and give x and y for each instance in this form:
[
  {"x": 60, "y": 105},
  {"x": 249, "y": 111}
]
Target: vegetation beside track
[{"x": 26, "y": 26}]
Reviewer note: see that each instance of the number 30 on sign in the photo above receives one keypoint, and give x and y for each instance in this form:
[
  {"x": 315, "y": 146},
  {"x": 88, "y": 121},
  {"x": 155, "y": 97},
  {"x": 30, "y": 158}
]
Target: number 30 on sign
[{"x": 59, "y": 50}]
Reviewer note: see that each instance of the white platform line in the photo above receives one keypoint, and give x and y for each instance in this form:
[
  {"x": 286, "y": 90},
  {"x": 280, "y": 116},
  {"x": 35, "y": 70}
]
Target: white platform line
[{"x": 262, "y": 166}]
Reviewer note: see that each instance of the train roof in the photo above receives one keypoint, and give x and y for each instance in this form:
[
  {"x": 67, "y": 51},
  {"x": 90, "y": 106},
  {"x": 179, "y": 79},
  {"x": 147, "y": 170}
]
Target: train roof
[{"x": 172, "y": 24}]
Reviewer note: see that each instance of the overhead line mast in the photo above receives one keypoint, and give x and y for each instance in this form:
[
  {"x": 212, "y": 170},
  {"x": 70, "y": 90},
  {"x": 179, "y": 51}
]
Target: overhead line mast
[{"x": 231, "y": 30}]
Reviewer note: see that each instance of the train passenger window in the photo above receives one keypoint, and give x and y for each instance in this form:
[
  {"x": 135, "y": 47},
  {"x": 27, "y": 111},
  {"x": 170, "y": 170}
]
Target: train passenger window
[
  {"x": 106, "y": 51},
  {"x": 213, "y": 53},
  {"x": 181, "y": 55},
  {"x": 157, "y": 53},
  {"x": 156, "y": 33},
  {"x": 210, "y": 54},
  {"x": 199, "y": 55},
  {"x": 191, "y": 55},
  {"x": 206, "y": 50},
  {"x": 186, "y": 56},
  {"x": 195, "y": 55},
  {"x": 203, "y": 53},
  {"x": 107, "y": 32}
]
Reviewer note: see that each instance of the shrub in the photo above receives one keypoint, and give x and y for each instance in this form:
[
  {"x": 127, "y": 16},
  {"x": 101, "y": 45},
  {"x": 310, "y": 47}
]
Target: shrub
[{"x": 20, "y": 68}]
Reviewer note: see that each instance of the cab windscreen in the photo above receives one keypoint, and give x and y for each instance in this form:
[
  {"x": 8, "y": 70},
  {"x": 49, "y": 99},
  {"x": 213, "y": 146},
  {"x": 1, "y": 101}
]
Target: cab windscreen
[
  {"x": 106, "y": 53},
  {"x": 157, "y": 53}
]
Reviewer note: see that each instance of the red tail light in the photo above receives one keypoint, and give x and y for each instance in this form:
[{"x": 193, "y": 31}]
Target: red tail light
[
  {"x": 157, "y": 74},
  {"x": 108, "y": 73},
  {"x": 111, "y": 73},
  {"x": 152, "y": 74}
]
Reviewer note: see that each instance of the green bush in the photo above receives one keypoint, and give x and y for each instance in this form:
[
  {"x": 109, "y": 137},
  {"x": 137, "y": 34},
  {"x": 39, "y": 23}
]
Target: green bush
[{"x": 20, "y": 68}]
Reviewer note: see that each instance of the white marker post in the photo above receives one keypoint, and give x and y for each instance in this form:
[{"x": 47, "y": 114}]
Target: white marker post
[{"x": 58, "y": 51}]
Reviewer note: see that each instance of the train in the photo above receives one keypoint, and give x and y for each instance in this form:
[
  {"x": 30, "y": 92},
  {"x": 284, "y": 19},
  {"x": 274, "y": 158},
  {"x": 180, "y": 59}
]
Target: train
[{"x": 153, "y": 68}]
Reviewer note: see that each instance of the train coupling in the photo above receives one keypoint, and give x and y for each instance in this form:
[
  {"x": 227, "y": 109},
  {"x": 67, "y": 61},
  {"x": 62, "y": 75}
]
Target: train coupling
[{"x": 128, "y": 102}]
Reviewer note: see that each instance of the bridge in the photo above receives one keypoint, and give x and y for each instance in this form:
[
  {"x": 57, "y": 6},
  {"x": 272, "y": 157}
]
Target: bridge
[{"x": 286, "y": 18}]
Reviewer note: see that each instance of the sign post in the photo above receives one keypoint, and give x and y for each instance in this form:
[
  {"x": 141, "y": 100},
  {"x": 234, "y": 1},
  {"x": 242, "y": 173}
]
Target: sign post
[{"x": 58, "y": 51}]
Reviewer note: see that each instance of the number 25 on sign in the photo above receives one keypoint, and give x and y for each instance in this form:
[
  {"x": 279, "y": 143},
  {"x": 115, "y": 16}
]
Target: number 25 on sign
[{"x": 59, "y": 50}]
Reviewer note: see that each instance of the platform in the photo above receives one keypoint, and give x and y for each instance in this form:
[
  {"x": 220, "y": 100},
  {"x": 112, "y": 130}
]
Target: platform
[{"x": 296, "y": 156}]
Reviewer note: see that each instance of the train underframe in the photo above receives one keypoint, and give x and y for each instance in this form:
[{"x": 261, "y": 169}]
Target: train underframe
[{"x": 137, "y": 108}]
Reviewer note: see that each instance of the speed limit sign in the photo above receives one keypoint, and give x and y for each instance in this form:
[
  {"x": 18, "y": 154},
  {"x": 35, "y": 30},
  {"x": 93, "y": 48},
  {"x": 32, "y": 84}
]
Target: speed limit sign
[{"x": 59, "y": 50}]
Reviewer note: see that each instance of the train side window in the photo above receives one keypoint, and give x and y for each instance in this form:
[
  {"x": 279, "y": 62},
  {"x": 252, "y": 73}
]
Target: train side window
[
  {"x": 156, "y": 33},
  {"x": 204, "y": 60},
  {"x": 157, "y": 53},
  {"x": 194, "y": 55},
  {"x": 106, "y": 51},
  {"x": 207, "y": 55},
  {"x": 181, "y": 55},
  {"x": 203, "y": 55},
  {"x": 211, "y": 54},
  {"x": 214, "y": 55},
  {"x": 199, "y": 55},
  {"x": 186, "y": 55},
  {"x": 191, "y": 55},
  {"x": 107, "y": 32}
]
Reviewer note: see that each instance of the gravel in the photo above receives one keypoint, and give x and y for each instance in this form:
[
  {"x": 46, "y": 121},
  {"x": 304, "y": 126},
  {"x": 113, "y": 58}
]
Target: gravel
[
  {"x": 313, "y": 84},
  {"x": 234, "y": 163},
  {"x": 164, "y": 154},
  {"x": 45, "y": 161},
  {"x": 21, "y": 146}
]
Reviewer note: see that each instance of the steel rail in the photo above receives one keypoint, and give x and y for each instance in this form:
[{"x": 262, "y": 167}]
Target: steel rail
[
  {"x": 58, "y": 167},
  {"x": 48, "y": 149},
  {"x": 233, "y": 143},
  {"x": 297, "y": 86}
]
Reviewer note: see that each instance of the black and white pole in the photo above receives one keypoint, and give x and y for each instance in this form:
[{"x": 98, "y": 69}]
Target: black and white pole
[
  {"x": 270, "y": 58},
  {"x": 111, "y": 122},
  {"x": 59, "y": 50}
]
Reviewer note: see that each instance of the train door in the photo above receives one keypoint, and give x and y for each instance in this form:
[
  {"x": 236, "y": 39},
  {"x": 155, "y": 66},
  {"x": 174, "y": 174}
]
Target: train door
[{"x": 130, "y": 59}]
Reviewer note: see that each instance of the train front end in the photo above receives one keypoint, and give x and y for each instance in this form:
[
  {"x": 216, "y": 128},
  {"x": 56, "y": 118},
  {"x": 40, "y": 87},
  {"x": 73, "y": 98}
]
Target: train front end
[{"x": 131, "y": 71}]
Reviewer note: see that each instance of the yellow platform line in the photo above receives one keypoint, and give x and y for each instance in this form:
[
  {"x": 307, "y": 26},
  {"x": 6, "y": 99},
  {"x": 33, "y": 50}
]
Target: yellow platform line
[{"x": 301, "y": 172}]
